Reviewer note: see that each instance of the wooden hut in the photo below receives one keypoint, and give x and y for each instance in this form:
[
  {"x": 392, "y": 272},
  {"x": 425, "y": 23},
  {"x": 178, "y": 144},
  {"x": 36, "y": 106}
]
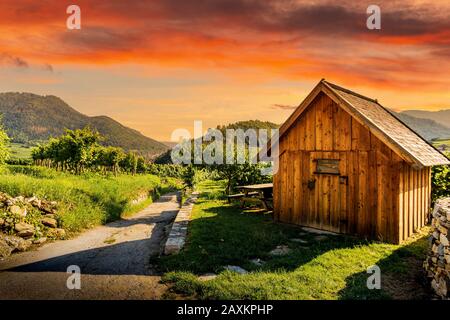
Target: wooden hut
[{"x": 349, "y": 165}]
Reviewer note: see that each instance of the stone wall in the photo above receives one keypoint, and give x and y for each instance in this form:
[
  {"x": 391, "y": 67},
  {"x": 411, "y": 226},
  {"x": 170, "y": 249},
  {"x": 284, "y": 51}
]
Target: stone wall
[
  {"x": 178, "y": 232},
  {"x": 437, "y": 264}
]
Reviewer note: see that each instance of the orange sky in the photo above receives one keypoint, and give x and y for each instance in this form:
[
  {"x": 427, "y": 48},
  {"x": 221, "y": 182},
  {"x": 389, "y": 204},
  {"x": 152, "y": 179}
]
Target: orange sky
[{"x": 159, "y": 65}]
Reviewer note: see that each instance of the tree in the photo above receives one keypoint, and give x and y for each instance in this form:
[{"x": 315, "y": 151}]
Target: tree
[{"x": 4, "y": 140}]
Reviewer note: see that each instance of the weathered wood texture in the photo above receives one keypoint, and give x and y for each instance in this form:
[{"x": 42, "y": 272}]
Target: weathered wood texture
[{"x": 376, "y": 195}]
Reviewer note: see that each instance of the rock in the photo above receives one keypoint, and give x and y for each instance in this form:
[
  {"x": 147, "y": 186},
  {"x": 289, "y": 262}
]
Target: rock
[
  {"x": 236, "y": 269},
  {"x": 50, "y": 215},
  {"x": 5, "y": 249},
  {"x": 280, "y": 251},
  {"x": 56, "y": 233},
  {"x": 40, "y": 240},
  {"x": 207, "y": 276},
  {"x": 16, "y": 243},
  {"x": 24, "y": 230},
  {"x": 258, "y": 262},
  {"x": 21, "y": 226},
  {"x": 317, "y": 231},
  {"x": 434, "y": 248},
  {"x": 25, "y": 233},
  {"x": 2, "y": 221},
  {"x": 24, "y": 245},
  {"x": 298, "y": 240},
  {"x": 320, "y": 238},
  {"x": 443, "y": 239},
  {"x": 49, "y": 222},
  {"x": 22, "y": 212}
]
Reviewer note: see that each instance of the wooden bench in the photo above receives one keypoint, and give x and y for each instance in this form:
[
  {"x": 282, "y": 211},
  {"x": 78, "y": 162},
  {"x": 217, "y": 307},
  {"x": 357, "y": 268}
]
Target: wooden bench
[
  {"x": 235, "y": 196},
  {"x": 243, "y": 196}
]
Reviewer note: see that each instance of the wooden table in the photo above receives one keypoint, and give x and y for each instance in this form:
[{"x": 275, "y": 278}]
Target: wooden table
[{"x": 263, "y": 191}]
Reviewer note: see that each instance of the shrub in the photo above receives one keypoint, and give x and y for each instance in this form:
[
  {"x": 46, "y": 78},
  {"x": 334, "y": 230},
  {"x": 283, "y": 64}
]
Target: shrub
[{"x": 440, "y": 182}]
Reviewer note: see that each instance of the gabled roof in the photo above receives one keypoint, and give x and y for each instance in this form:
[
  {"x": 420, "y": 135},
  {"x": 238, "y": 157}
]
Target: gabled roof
[{"x": 380, "y": 121}]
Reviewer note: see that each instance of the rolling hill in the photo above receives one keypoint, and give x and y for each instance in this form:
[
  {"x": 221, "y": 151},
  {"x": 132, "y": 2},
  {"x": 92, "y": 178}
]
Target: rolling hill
[
  {"x": 442, "y": 117},
  {"x": 29, "y": 117},
  {"x": 427, "y": 128}
]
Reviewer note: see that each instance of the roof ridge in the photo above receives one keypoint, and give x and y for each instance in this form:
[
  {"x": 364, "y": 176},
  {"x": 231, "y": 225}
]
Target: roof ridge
[{"x": 335, "y": 86}]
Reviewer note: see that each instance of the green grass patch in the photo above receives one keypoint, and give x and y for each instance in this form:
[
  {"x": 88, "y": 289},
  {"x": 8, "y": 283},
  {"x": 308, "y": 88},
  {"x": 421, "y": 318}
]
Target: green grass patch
[
  {"x": 20, "y": 151},
  {"x": 85, "y": 200},
  {"x": 333, "y": 268}
]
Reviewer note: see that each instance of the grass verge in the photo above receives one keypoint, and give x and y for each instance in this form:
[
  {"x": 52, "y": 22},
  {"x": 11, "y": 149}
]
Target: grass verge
[{"x": 85, "y": 200}]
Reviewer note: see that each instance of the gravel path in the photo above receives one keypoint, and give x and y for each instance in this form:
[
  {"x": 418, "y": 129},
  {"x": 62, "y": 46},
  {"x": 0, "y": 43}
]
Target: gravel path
[{"x": 114, "y": 260}]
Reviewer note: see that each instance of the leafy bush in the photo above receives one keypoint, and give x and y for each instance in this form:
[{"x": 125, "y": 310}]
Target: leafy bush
[
  {"x": 4, "y": 139},
  {"x": 440, "y": 182}
]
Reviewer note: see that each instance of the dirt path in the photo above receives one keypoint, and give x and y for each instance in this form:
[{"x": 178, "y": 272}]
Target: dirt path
[{"x": 114, "y": 260}]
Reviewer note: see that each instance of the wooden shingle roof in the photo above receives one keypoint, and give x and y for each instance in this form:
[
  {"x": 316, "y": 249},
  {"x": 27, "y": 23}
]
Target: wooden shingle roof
[{"x": 382, "y": 122}]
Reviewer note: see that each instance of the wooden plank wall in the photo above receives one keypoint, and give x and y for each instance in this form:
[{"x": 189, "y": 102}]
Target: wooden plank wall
[
  {"x": 414, "y": 199},
  {"x": 384, "y": 198}
]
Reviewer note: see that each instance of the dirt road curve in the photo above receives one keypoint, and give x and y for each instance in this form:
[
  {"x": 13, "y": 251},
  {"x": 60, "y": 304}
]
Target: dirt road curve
[{"x": 114, "y": 260}]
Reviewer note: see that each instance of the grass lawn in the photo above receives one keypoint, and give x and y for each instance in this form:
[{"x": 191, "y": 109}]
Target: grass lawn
[
  {"x": 85, "y": 200},
  {"x": 331, "y": 268}
]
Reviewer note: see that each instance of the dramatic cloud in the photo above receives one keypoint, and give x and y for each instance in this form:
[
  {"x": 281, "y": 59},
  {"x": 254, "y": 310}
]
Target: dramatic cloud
[{"x": 248, "y": 42}]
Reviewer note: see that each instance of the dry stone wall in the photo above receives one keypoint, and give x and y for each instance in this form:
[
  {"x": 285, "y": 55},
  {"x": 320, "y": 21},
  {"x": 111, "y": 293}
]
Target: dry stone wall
[{"x": 437, "y": 264}]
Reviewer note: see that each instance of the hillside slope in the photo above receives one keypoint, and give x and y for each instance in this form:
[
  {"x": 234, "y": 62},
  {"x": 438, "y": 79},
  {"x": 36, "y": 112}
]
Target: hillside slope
[
  {"x": 427, "y": 128},
  {"x": 29, "y": 117},
  {"x": 442, "y": 117}
]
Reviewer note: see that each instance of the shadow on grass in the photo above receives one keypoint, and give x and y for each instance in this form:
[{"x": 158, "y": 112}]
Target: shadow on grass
[
  {"x": 225, "y": 236},
  {"x": 402, "y": 276},
  {"x": 316, "y": 267}
]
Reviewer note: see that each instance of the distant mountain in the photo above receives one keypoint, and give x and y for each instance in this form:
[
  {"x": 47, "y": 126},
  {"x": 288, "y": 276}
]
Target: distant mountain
[
  {"x": 427, "y": 128},
  {"x": 29, "y": 117},
  {"x": 442, "y": 117}
]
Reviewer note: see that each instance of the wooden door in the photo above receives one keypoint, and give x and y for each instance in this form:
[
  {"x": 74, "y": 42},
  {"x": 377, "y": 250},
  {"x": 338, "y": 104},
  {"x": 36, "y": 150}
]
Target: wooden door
[{"x": 328, "y": 186}]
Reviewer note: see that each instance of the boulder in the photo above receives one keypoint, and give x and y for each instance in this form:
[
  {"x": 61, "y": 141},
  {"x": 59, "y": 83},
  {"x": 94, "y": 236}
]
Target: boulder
[
  {"x": 16, "y": 243},
  {"x": 24, "y": 245},
  {"x": 444, "y": 240},
  {"x": 31, "y": 199},
  {"x": 5, "y": 249},
  {"x": 22, "y": 212},
  {"x": 19, "y": 199},
  {"x": 280, "y": 251},
  {"x": 24, "y": 230},
  {"x": 49, "y": 222},
  {"x": 40, "y": 240}
]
